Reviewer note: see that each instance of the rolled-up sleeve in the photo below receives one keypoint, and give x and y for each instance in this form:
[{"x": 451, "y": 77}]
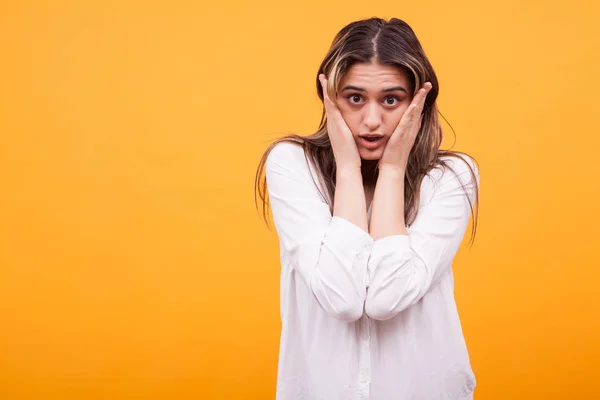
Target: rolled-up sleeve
[
  {"x": 402, "y": 268},
  {"x": 328, "y": 252}
]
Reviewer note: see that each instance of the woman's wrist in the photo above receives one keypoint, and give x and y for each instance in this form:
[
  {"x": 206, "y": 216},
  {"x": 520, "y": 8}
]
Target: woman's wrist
[
  {"x": 348, "y": 171},
  {"x": 393, "y": 171}
]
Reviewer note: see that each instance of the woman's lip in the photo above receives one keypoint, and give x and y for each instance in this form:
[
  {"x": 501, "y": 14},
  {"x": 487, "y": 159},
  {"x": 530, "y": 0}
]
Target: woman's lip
[{"x": 370, "y": 145}]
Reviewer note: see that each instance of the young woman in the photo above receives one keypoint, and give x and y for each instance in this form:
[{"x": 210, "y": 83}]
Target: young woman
[{"x": 370, "y": 214}]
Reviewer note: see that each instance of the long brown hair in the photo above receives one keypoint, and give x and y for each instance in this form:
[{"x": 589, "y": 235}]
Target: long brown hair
[{"x": 389, "y": 43}]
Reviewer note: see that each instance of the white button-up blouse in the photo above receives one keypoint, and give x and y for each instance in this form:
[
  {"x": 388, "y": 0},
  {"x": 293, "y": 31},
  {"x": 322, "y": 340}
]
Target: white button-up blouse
[{"x": 364, "y": 318}]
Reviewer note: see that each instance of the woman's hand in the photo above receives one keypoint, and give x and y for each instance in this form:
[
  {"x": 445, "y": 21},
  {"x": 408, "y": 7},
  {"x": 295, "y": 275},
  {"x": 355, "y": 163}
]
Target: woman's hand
[
  {"x": 397, "y": 149},
  {"x": 342, "y": 142}
]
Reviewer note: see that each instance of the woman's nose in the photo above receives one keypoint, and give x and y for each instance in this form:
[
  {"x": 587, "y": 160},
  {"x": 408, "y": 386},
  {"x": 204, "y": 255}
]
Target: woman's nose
[{"x": 372, "y": 117}]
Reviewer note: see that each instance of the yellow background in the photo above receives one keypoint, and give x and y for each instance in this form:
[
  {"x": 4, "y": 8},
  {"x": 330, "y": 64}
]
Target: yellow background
[{"x": 133, "y": 264}]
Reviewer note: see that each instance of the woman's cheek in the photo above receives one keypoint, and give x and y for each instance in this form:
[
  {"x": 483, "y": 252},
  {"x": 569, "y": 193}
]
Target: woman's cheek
[{"x": 349, "y": 117}]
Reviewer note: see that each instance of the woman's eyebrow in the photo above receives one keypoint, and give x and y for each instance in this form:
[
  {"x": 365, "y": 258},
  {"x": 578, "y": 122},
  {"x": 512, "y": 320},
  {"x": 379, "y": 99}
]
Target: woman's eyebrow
[{"x": 351, "y": 87}]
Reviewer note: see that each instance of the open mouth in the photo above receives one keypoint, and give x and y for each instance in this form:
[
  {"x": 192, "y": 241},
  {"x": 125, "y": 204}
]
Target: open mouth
[{"x": 370, "y": 142}]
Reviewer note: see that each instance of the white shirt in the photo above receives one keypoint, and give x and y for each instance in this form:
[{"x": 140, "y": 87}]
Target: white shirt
[{"x": 364, "y": 318}]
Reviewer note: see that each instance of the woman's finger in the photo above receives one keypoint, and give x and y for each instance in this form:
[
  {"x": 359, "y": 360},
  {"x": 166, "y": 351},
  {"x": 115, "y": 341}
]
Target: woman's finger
[
  {"x": 415, "y": 111},
  {"x": 421, "y": 95},
  {"x": 419, "y": 98},
  {"x": 330, "y": 107},
  {"x": 323, "y": 81},
  {"x": 410, "y": 115},
  {"x": 329, "y": 104},
  {"x": 410, "y": 119}
]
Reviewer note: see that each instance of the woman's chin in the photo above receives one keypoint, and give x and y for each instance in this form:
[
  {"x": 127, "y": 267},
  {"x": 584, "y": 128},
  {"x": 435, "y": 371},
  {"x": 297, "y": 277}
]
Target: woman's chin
[{"x": 366, "y": 154}]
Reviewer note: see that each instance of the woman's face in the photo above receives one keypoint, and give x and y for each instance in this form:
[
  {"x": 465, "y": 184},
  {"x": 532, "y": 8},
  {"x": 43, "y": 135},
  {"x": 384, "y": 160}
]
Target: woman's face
[{"x": 372, "y": 100}]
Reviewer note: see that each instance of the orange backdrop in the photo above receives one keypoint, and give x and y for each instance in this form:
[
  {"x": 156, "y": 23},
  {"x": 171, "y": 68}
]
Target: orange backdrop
[{"x": 133, "y": 264}]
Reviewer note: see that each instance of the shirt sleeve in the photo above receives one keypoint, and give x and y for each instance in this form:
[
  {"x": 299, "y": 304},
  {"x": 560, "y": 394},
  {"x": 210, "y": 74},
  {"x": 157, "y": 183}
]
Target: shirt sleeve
[
  {"x": 402, "y": 268},
  {"x": 329, "y": 253}
]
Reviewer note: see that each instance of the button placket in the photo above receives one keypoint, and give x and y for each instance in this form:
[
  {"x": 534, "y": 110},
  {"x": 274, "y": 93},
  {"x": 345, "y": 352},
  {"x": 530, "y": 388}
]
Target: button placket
[
  {"x": 364, "y": 341},
  {"x": 367, "y": 252},
  {"x": 365, "y": 350}
]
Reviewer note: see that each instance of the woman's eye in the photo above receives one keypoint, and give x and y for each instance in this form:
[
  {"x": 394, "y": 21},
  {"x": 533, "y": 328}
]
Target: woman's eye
[
  {"x": 354, "y": 97},
  {"x": 393, "y": 102}
]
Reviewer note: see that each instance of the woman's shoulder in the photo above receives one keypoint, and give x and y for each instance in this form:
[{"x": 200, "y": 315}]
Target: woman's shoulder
[
  {"x": 288, "y": 158},
  {"x": 454, "y": 167},
  {"x": 285, "y": 150},
  {"x": 288, "y": 165},
  {"x": 451, "y": 173}
]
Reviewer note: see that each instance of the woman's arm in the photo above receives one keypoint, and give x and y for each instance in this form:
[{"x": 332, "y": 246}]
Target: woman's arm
[
  {"x": 349, "y": 200},
  {"x": 329, "y": 253},
  {"x": 405, "y": 263},
  {"x": 387, "y": 213}
]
